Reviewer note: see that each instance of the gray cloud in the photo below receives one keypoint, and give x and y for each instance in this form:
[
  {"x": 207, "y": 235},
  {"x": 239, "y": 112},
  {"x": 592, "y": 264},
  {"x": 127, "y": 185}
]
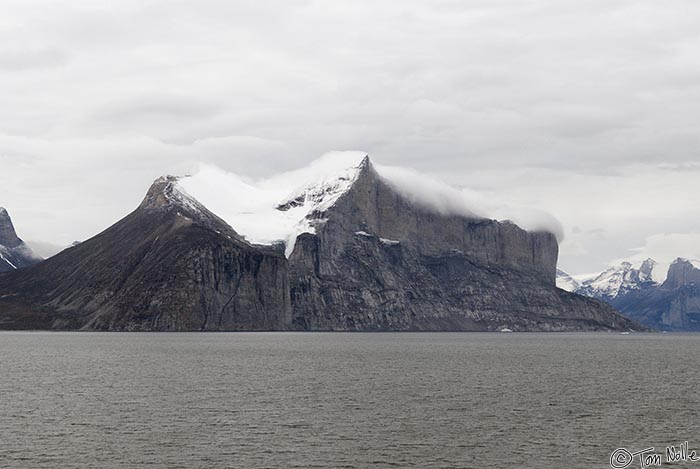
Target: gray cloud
[
  {"x": 27, "y": 59},
  {"x": 588, "y": 111}
]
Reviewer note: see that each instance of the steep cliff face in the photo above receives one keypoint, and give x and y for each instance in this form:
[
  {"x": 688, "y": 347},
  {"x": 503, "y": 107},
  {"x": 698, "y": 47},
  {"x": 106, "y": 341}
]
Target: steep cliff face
[
  {"x": 358, "y": 256},
  {"x": 372, "y": 205},
  {"x": 681, "y": 273},
  {"x": 170, "y": 265},
  {"x": 14, "y": 253},
  {"x": 378, "y": 262}
]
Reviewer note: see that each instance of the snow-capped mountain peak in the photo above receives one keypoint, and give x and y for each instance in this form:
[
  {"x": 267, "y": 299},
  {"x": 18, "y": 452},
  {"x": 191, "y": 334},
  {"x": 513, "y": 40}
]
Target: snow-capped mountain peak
[
  {"x": 319, "y": 195},
  {"x": 279, "y": 208},
  {"x": 623, "y": 278}
]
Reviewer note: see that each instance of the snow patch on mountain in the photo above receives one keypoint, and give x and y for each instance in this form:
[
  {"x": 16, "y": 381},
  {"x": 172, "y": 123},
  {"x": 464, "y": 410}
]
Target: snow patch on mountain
[
  {"x": 613, "y": 280},
  {"x": 566, "y": 281},
  {"x": 7, "y": 261}
]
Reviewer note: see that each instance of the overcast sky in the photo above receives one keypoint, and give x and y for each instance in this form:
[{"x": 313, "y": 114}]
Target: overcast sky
[{"x": 589, "y": 110}]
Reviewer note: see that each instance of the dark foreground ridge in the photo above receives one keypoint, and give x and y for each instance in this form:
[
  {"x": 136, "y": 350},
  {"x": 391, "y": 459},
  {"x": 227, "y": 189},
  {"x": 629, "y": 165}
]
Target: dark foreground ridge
[{"x": 376, "y": 262}]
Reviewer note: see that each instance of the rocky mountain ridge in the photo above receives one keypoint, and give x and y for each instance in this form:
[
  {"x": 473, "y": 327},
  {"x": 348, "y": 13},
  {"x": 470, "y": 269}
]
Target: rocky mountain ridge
[
  {"x": 666, "y": 298},
  {"x": 354, "y": 255}
]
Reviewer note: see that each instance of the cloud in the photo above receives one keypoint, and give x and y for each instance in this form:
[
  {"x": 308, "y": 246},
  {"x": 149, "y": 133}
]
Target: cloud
[
  {"x": 666, "y": 247},
  {"x": 431, "y": 193},
  {"x": 587, "y": 112},
  {"x": 44, "y": 250},
  {"x": 31, "y": 59}
]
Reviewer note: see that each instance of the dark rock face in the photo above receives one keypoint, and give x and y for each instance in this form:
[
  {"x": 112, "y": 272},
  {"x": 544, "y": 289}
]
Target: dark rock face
[
  {"x": 375, "y": 262},
  {"x": 682, "y": 273},
  {"x": 170, "y": 265},
  {"x": 14, "y": 253},
  {"x": 380, "y": 263},
  {"x": 8, "y": 236},
  {"x": 674, "y": 305}
]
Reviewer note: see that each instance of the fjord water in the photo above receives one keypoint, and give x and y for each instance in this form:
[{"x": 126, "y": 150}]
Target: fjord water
[{"x": 249, "y": 400}]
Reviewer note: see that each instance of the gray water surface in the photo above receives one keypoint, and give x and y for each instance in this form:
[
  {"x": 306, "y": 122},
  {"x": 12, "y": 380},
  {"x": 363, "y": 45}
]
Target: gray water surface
[{"x": 253, "y": 400}]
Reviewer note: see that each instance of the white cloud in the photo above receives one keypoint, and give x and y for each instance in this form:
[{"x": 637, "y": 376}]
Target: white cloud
[
  {"x": 570, "y": 108},
  {"x": 666, "y": 247}
]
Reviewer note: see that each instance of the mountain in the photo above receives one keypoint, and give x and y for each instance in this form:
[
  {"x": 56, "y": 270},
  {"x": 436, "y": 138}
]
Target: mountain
[
  {"x": 169, "y": 265},
  {"x": 666, "y": 299},
  {"x": 673, "y": 305},
  {"x": 566, "y": 281},
  {"x": 344, "y": 250},
  {"x": 619, "y": 280},
  {"x": 14, "y": 253}
]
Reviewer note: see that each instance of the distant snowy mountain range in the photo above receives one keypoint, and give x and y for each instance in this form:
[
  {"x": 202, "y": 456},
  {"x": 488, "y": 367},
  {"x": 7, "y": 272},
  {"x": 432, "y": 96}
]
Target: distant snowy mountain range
[
  {"x": 663, "y": 296},
  {"x": 616, "y": 280}
]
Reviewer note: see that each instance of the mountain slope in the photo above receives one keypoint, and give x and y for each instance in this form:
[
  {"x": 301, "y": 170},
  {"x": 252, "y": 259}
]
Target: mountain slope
[
  {"x": 14, "y": 253},
  {"x": 672, "y": 305},
  {"x": 661, "y": 299},
  {"x": 169, "y": 265},
  {"x": 378, "y": 261},
  {"x": 343, "y": 251}
]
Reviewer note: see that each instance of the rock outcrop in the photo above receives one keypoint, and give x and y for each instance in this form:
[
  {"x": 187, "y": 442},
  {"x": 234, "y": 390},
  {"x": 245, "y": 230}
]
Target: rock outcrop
[
  {"x": 381, "y": 263},
  {"x": 14, "y": 253},
  {"x": 367, "y": 259},
  {"x": 673, "y": 305},
  {"x": 170, "y": 265}
]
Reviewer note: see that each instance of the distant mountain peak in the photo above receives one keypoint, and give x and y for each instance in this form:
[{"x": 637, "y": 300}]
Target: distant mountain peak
[
  {"x": 161, "y": 193},
  {"x": 167, "y": 192},
  {"x": 684, "y": 260},
  {"x": 8, "y": 236},
  {"x": 323, "y": 193},
  {"x": 620, "y": 279},
  {"x": 14, "y": 253},
  {"x": 647, "y": 268},
  {"x": 683, "y": 272}
]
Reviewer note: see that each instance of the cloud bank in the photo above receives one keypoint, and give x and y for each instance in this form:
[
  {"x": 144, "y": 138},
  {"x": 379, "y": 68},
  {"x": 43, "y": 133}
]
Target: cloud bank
[{"x": 585, "y": 111}]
